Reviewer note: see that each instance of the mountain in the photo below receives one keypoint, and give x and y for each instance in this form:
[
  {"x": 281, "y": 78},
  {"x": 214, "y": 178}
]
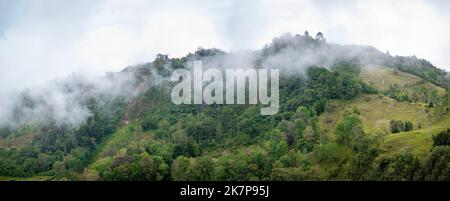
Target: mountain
[{"x": 346, "y": 112}]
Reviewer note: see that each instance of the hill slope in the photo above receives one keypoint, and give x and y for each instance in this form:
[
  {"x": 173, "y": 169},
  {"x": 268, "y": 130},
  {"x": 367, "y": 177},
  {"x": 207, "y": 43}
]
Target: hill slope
[{"x": 337, "y": 120}]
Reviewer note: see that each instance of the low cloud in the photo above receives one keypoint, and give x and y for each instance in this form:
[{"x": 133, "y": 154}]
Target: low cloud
[{"x": 43, "y": 40}]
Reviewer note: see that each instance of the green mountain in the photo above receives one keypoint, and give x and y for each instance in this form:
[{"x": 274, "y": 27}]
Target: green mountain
[{"x": 346, "y": 113}]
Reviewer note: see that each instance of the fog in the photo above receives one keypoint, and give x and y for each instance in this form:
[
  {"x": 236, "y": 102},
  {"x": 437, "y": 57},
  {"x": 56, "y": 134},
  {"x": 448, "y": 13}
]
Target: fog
[
  {"x": 64, "y": 101},
  {"x": 47, "y": 44}
]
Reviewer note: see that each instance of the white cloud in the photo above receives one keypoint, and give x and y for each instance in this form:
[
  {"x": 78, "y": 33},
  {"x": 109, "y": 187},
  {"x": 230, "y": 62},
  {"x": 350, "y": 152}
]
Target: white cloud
[
  {"x": 51, "y": 38},
  {"x": 403, "y": 27}
]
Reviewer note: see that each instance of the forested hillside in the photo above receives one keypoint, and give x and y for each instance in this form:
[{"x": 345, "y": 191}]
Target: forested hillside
[{"x": 346, "y": 113}]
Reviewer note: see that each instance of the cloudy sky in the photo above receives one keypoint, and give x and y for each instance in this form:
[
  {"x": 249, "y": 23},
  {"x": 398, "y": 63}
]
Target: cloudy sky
[{"x": 41, "y": 40}]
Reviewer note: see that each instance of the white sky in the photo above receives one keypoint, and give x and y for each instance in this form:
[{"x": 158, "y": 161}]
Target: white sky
[{"x": 45, "y": 39}]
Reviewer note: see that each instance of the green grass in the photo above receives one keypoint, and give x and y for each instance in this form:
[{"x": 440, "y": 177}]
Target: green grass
[
  {"x": 124, "y": 137},
  {"x": 120, "y": 139},
  {"x": 376, "y": 111},
  {"x": 417, "y": 142},
  {"x": 381, "y": 78},
  {"x": 443, "y": 123},
  {"x": 33, "y": 178},
  {"x": 22, "y": 137},
  {"x": 420, "y": 141}
]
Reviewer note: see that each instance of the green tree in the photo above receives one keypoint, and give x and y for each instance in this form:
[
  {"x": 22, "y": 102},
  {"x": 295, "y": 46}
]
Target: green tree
[
  {"x": 442, "y": 139},
  {"x": 180, "y": 169},
  {"x": 319, "y": 106},
  {"x": 397, "y": 126},
  {"x": 437, "y": 166},
  {"x": 348, "y": 129},
  {"x": 408, "y": 126},
  {"x": 399, "y": 167},
  {"x": 59, "y": 169},
  {"x": 202, "y": 169}
]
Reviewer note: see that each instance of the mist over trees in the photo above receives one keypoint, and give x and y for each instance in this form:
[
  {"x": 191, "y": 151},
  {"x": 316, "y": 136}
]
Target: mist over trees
[{"x": 124, "y": 126}]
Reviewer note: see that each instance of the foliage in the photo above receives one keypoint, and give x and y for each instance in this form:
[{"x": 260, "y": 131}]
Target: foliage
[
  {"x": 147, "y": 138},
  {"x": 442, "y": 139},
  {"x": 397, "y": 126}
]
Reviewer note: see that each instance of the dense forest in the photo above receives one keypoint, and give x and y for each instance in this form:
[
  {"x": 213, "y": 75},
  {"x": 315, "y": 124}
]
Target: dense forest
[{"x": 141, "y": 135}]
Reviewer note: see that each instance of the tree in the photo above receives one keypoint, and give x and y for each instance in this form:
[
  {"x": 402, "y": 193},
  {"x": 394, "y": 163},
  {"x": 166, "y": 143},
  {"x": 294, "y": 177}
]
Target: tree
[
  {"x": 76, "y": 160},
  {"x": 201, "y": 128},
  {"x": 399, "y": 167},
  {"x": 59, "y": 169},
  {"x": 408, "y": 126},
  {"x": 320, "y": 37},
  {"x": 202, "y": 169},
  {"x": 288, "y": 174},
  {"x": 180, "y": 168},
  {"x": 184, "y": 144},
  {"x": 348, "y": 66},
  {"x": 319, "y": 106},
  {"x": 288, "y": 128},
  {"x": 347, "y": 86},
  {"x": 43, "y": 162},
  {"x": 437, "y": 166},
  {"x": 5, "y": 131},
  {"x": 147, "y": 168},
  {"x": 321, "y": 82},
  {"x": 150, "y": 123},
  {"x": 278, "y": 149},
  {"x": 397, "y": 126},
  {"x": 442, "y": 139},
  {"x": 299, "y": 127},
  {"x": 348, "y": 129}
]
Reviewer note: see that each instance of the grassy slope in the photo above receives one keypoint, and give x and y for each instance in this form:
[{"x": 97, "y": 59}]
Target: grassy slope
[
  {"x": 382, "y": 78},
  {"x": 377, "y": 110},
  {"x": 33, "y": 178},
  {"x": 122, "y": 138},
  {"x": 419, "y": 141},
  {"x": 24, "y": 136}
]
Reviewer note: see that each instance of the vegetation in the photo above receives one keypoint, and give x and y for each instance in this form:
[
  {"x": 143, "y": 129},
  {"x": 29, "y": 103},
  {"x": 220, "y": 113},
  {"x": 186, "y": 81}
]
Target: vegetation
[
  {"x": 335, "y": 122},
  {"x": 398, "y": 126}
]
